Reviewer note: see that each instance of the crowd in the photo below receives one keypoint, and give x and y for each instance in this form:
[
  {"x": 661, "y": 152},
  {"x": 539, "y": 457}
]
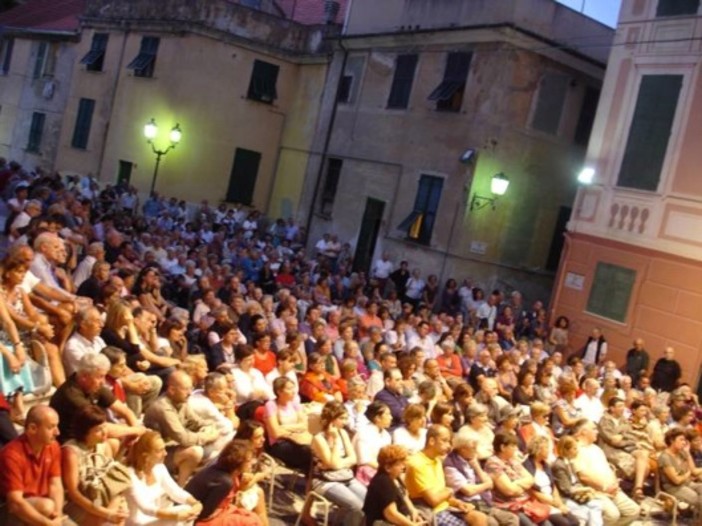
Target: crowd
[{"x": 186, "y": 353}]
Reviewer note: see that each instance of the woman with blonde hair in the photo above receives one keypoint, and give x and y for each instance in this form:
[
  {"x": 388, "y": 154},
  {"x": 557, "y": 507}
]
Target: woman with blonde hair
[{"x": 155, "y": 499}]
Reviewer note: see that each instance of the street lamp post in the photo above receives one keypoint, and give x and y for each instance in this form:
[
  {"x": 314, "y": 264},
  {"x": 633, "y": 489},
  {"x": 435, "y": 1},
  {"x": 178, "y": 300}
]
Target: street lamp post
[{"x": 150, "y": 132}]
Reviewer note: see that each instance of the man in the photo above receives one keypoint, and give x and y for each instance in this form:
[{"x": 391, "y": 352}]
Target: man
[
  {"x": 426, "y": 482},
  {"x": 490, "y": 397},
  {"x": 483, "y": 368},
  {"x": 470, "y": 483},
  {"x": 487, "y": 312},
  {"x": 96, "y": 253},
  {"x": 92, "y": 286},
  {"x": 391, "y": 395},
  {"x": 620, "y": 448},
  {"x": 423, "y": 340},
  {"x": 593, "y": 470},
  {"x": 48, "y": 249},
  {"x": 214, "y": 404},
  {"x": 666, "y": 372},
  {"x": 30, "y": 473},
  {"x": 399, "y": 278},
  {"x": 376, "y": 382},
  {"x": 589, "y": 403},
  {"x": 31, "y": 210},
  {"x": 87, "y": 386},
  {"x": 595, "y": 349},
  {"x": 432, "y": 372},
  {"x": 637, "y": 361},
  {"x": 381, "y": 271},
  {"x": 186, "y": 435}
]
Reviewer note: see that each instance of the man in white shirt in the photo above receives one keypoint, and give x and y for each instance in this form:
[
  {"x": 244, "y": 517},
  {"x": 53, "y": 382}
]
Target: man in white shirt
[
  {"x": 381, "y": 271},
  {"x": 214, "y": 404},
  {"x": 96, "y": 252},
  {"x": 86, "y": 339},
  {"x": 589, "y": 403},
  {"x": 423, "y": 340},
  {"x": 487, "y": 312},
  {"x": 31, "y": 209},
  {"x": 47, "y": 247}
]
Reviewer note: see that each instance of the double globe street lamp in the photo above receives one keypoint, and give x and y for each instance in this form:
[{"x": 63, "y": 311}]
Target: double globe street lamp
[{"x": 150, "y": 132}]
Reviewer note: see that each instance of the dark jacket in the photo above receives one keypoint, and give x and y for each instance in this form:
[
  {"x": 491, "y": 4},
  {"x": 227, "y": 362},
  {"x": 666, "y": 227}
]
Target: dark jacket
[{"x": 666, "y": 374}]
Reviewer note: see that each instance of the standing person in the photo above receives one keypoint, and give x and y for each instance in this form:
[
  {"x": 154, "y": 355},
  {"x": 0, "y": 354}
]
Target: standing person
[
  {"x": 595, "y": 348},
  {"x": 30, "y": 472},
  {"x": 381, "y": 271},
  {"x": 637, "y": 361},
  {"x": 387, "y": 498},
  {"x": 415, "y": 288},
  {"x": 666, "y": 372},
  {"x": 400, "y": 277},
  {"x": 333, "y": 462}
]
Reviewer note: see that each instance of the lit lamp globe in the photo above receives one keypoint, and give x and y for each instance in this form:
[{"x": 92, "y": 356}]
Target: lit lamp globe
[
  {"x": 586, "y": 175},
  {"x": 176, "y": 134},
  {"x": 499, "y": 184},
  {"x": 150, "y": 130}
]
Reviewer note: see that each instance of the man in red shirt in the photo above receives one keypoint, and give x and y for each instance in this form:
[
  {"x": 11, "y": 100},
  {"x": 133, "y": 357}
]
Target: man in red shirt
[{"x": 30, "y": 472}]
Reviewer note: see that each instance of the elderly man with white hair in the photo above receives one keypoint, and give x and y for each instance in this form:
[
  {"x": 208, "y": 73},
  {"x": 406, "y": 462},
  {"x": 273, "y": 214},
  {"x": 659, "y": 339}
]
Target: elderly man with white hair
[
  {"x": 95, "y": 253},
  {"x": 589, "y": 403}
]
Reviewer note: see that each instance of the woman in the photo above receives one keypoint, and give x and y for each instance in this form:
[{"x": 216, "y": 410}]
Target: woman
[
  {"x": 449, "y": 362},
  {"x": 565, "y": 414},
  {"x": 83, "y": 459},
  {"x": 250, "y": 493},
  {"x": 154, "y": 497},
  {"x": 408, "y": 368},
  {"x": 172, "y": 334},
  {"x": 16, "y": 375},
  {"x": 658, "y": 426},
  {"x": 324, "y": 348},
  {"x": 538, "y": 426},
  {"x": 544, "y": 488},
  {"x": 676, "y": 470},
  {"x": 249, "y": 383},
  {"x": 442, "y": 413},
  {"x": 505, "y": 322},
  {"x": 369, "y": 439},
  {"x": 34, "y": 330},
  {"x": 545, "y": 389},
  {"x": 506, "y": 377},
  {"x": 524, "y": 393},
  {"x": 334, "y": 459},
  {"x": 317, "y": 385},
  {"x": 412, "y": 435},
  {"x": 478, "y": 429},
  {"x": 558, "y": 337},
  {"x": 221, "y": 356},
  {"x": 511, "y": 480},
  {"x": 430, "y": 293},
  {"x": 217, "y": 488},
  {"x": 462, "y": 400},
  {"x": 353, "y": 351},
  {"x": 450, "y": 300},
  {"x": 286, "y": 426},
  {"x": 387, "y": 501}
]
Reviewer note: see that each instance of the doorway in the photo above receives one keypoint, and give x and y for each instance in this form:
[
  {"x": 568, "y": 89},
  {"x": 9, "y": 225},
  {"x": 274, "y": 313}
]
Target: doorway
[
  {"x": 368, "y": 236},
  {"x": 124, "y": 174},
  {"x": 554, "y": 253}
]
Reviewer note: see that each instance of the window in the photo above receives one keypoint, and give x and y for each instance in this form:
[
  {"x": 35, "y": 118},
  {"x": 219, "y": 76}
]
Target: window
[
  {"x": 36, "y": 130},
  {"x": 45, "y": 61},
  {"x": 677, "y": 7},
  {"x": 549, "y": 103},
  {"x": 405, "y": 66},
  {"x": 242, "y": 180},
  {"x": 420, "y": 223},
  {"x": 84, "y": 119},
  {"x": 448, "y": 95},
  {"x": 6, "y": 54},
  {"x": 263, "y": 80},
  {"x": 650, "y": 131},
  {"x": 611, "y": 291},
  {"x": 331, "y": 183},
  {"x": 587, "y": 116},
  {"x": 145, "y": 62},
  {"x": 95, "y": 58},
  {"x": 344, "y": 93}
]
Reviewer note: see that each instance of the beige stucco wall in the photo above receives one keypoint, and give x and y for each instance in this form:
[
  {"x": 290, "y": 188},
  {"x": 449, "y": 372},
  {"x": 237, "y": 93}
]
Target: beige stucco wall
[{"x": 201, "y": 84}]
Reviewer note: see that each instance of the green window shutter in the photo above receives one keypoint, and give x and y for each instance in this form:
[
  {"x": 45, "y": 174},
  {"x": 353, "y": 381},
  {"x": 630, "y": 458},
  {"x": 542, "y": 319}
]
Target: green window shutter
[
  {"x": 405, "y": 66},
  {"x": 242, "y": 181},
  {"x": 611, "y": 291},
  {"x": 36, "y": 130},
  {"x": 81, "y": 131},
  {"x": 262, "y": 86},
  {"x": 677, "y": 7},
  {"x": 549, "y": 104},
  {"x": 650, "y": 132},
  {"x": 42, "y": 51}
]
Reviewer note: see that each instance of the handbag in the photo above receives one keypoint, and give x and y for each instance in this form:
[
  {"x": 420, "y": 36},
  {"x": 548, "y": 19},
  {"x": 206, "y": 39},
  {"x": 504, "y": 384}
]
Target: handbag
[
  {"x": 103, "y": 479},
  {"x": 336, "y": 475},
  {"x": 537, "y": 511},
  {"x": 41, "y": 374}
]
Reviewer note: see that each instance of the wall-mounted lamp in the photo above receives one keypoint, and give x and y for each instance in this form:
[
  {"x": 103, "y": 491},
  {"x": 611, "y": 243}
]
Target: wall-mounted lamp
[
  {"x": 586, "y": 175},
  {"x": 498, "y": 187},
  {"x": 467, "y": 156}
]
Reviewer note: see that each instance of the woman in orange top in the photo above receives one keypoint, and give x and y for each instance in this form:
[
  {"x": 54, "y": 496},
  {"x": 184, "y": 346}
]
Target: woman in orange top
[
  {"x": 449, "y": 361},
  {"x": 264, "y": 359},
  {"x": 317, "y": 385}
]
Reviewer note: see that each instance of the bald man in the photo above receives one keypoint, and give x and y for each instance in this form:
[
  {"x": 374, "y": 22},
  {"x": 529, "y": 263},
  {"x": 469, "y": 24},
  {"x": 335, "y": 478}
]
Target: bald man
[
  {"x": 189, "y": 439},
  {"x": 30, "y": 472}
]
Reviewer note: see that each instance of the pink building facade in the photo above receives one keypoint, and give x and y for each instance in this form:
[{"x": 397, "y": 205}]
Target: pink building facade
[{"x": 632, "y": 263}]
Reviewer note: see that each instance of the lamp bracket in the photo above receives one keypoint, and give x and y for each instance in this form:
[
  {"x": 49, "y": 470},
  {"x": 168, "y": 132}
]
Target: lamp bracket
[{"x": 478, "y": 201}]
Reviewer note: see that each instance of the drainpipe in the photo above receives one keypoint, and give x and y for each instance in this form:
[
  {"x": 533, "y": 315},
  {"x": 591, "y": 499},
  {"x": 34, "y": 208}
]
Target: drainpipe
[
  {"x": 327, "y": 140},
  {"x": 113, "y": 96}
]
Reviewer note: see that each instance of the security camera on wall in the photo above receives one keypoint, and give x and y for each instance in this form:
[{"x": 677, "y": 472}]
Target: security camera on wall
[{"x": 468, "y": 156}]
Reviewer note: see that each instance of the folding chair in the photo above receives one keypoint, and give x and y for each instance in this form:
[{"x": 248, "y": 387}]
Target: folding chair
[
  {"x": 667, "y": 502},
  {"x": 312, "y": 497},
  {"x": 278, "y": 469}
]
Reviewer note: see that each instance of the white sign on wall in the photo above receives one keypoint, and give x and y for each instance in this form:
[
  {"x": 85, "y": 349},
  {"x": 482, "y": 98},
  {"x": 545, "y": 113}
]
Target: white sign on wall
[
  {"x": 478, "y": 247},
  {"x": 574, "y": 281}
]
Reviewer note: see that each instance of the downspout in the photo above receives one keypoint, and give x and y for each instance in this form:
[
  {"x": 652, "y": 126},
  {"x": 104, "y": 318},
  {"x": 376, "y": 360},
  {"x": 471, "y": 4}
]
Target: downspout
[
  {"x": 327, "y": 141},
  {"x": 113, "y": 96}
]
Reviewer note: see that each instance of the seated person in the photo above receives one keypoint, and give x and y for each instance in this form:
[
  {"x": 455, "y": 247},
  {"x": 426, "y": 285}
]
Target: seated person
[
  {"x": 86, "y": 387},
  {"x": 214, "y": 405},
  {"x": 677, "y": 471},
  {"x": 30, "y": 472},
  {"x": 413, "y": 434},
  {"x": 470, "y": 483},
  {"x": 478, "y": 429},
  {"x": 391, "y": 395},
  {"x": 217, "y": 486},
  {"x": 593, "y": 470},
  {"x": 249, "y": 383},
  {"x": 285, "y": 366},
  {"x": 370, "y": 438},
  {"x": 426, "y": 483},
  {"x": 286, "y": 427},
  {"x": 387, "y": 498},
  {"x": 154, "y": 497},
  {"x": 318, "y": 385},
  {"x": 620, "y": 448},
  {"x": 189, "y": 439}
]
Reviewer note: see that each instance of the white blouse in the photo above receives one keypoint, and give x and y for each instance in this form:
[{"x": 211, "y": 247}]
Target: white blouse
[{"x": 144, "y": 500}]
